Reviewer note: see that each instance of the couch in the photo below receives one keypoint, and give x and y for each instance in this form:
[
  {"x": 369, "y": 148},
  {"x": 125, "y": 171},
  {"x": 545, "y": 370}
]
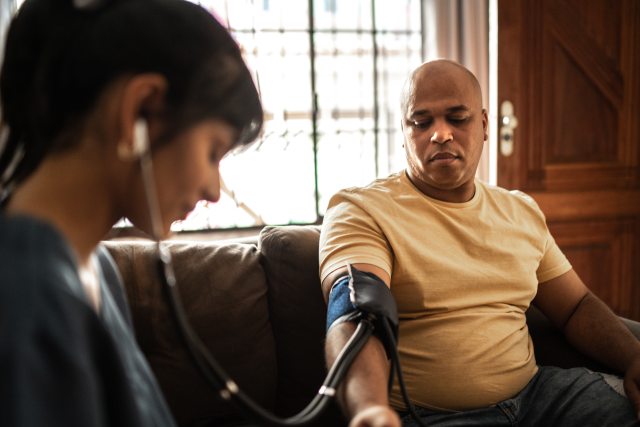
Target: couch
[{"x": 256, "y": 303}]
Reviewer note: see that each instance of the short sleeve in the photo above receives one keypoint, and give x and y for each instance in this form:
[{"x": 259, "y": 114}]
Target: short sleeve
[
  {"x": 350, "y": 235},
  {"x": 553, "y": 263}
]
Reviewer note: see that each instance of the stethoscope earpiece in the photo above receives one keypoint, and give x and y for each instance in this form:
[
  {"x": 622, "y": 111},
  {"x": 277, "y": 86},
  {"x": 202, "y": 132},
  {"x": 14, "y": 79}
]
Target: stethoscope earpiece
[{"x": 140, "y": 138}]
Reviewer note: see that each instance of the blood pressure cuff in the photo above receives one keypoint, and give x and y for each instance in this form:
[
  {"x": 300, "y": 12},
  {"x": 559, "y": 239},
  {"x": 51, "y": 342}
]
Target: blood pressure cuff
[{"x": 362, "y": 294}]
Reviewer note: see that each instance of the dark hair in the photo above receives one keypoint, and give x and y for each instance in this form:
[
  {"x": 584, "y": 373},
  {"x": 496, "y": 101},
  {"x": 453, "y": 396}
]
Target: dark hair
[{"x": 62, "y": 54}]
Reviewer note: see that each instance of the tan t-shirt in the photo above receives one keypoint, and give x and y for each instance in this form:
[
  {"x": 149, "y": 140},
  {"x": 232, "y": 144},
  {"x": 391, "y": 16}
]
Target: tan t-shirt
[{"x": 462, "y": 274}]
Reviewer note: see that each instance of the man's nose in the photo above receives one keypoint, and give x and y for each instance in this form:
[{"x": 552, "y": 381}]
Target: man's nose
[{"x": 441, "y": 132}]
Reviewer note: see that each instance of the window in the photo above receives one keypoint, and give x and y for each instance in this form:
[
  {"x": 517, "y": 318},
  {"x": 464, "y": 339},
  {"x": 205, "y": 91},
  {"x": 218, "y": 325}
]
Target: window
[{"x": 330, "y": 74}]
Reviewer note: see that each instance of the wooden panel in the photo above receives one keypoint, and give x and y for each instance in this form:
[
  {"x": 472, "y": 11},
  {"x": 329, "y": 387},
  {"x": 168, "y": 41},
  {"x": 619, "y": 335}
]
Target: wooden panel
[
  {"x": 576, "y": 100},
  {"x": 580, "y": 206},
  {"x": 572, "y": 71},
  {"x": 561, "y": 28},
  {"x": 605, "y": 255},
  {"x": 599, "y": 231},
  {"x": 601, "y": 21},
  {"x": 510, "y": 34},
  {"x": 573, "y": 74}
]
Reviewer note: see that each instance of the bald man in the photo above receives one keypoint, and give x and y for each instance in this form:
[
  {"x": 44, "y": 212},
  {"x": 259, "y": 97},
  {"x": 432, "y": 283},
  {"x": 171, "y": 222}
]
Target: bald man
[{"x": 464, "y": 261}]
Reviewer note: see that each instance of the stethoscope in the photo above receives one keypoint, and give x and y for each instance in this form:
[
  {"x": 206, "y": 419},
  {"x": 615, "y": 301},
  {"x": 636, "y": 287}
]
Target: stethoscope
[{"x": 216, "y": 377}]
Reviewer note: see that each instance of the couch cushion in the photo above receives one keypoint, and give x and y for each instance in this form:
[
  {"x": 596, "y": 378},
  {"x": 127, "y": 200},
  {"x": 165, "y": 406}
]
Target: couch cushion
[
  {"x": 224, "y": 293},
  {"x": 298, "y": 312}
]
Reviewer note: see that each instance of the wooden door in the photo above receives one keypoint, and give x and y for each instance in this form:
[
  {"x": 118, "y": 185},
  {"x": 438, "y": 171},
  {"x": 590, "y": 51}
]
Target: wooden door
[{"x": 571, "y": 68}]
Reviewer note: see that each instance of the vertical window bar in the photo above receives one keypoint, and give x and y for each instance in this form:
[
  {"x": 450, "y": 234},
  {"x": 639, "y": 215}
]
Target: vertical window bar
[
  {"x": 338, "y": 54},
  {"x": 284, "y": 55},
  {"x": 254, "y": 31},
  {"x": 314, "y": 105},
  {"x": 388, "y": 123},
  {"x": 360, "y": 54},
  {"x": 226, "y": 15},
  {"x": 376, "y": 112},
  {"x": 423, "y": 23}
]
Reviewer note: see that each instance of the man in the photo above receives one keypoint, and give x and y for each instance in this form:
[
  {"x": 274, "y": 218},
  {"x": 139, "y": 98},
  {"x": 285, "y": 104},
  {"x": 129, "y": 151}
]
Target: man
[{"x": 464, "y": 261}]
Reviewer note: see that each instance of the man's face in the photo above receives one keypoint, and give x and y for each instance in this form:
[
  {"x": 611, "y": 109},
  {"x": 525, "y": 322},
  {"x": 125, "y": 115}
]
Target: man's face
[{"x": 444, "y": 127}]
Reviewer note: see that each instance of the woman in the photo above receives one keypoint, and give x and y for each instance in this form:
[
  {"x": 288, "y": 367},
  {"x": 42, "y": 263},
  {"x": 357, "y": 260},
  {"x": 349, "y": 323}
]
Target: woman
[{"x": 110, "y": 109}]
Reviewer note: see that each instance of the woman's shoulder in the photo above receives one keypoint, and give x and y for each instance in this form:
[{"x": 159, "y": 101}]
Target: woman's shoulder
[
  {"x": 31, "y": 250},
  {"x": 38, "y": 275},
  {"x": 51, "y": 340},
  {"x": 24, "y": 235}
]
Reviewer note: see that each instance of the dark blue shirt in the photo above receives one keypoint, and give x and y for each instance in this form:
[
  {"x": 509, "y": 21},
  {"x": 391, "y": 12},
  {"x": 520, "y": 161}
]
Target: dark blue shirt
[{"x": 61, "y": 362}]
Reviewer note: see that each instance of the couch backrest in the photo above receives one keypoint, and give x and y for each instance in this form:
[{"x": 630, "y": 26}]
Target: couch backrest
[
  {"x": 298, "y": 313},
  {"x": 224, "y": 292}
]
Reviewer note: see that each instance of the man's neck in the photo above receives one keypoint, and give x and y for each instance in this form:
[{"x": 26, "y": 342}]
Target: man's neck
[{"x": 461, "y": 194}]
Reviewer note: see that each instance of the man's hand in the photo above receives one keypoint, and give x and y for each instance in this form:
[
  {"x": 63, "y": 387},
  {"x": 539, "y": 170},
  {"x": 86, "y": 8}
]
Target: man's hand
[
  {"x": 632, "y": 384},
  {"x": 376, "y": 416}
]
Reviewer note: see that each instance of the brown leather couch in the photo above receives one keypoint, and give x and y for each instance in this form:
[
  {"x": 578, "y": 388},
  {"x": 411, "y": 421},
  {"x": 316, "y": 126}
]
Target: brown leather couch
[{"x": 257, "y": 305}]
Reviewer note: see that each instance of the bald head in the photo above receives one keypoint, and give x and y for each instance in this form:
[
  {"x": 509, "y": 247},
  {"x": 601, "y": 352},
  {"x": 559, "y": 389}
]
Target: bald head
[{"x": 440, "y": 73}]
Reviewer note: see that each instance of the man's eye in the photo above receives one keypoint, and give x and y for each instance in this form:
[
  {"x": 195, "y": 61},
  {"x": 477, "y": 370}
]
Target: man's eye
[
  {"x": 422, "y": 125},
  {"x": 458, "y": 119}
]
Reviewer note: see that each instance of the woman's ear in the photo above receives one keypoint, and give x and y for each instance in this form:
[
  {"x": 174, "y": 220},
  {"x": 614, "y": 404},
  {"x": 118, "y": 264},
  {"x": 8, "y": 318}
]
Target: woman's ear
[{"x": 142, "y": 96}]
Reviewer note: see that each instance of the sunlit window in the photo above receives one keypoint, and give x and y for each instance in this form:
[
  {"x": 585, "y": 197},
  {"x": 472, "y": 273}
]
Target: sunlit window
[{"x": 345, "y": 61}]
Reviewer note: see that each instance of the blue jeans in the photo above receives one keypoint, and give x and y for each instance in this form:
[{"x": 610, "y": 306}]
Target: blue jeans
[{"x": 554, "y": 397}]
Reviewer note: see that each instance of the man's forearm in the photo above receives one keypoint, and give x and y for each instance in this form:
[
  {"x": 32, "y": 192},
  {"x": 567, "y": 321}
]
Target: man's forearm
[
  {"x": 366, "y": 382},
  {"x": 598, "y": 332}
]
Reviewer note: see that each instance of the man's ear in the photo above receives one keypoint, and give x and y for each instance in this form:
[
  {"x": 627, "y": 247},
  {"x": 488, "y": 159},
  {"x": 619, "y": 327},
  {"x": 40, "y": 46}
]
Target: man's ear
[
  {"x": 402, "y": 130},
  {"x": 142, "y": 96},
  {"x": 485, "y": 124}
]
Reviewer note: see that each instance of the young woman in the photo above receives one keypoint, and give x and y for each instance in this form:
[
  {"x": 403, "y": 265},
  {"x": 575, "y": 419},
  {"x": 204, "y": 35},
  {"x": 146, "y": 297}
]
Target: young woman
[{"x": 110, "y": 109}]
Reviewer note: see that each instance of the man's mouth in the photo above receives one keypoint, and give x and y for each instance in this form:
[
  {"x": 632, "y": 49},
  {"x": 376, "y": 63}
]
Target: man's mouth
[{"x": 443, "y": 157}]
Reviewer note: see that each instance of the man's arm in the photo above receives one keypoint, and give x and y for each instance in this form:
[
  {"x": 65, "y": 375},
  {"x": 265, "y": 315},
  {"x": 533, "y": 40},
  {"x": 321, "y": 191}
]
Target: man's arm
[
  {"x": 592, "y": 328},
  {"x": 363, "y": 393}
]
